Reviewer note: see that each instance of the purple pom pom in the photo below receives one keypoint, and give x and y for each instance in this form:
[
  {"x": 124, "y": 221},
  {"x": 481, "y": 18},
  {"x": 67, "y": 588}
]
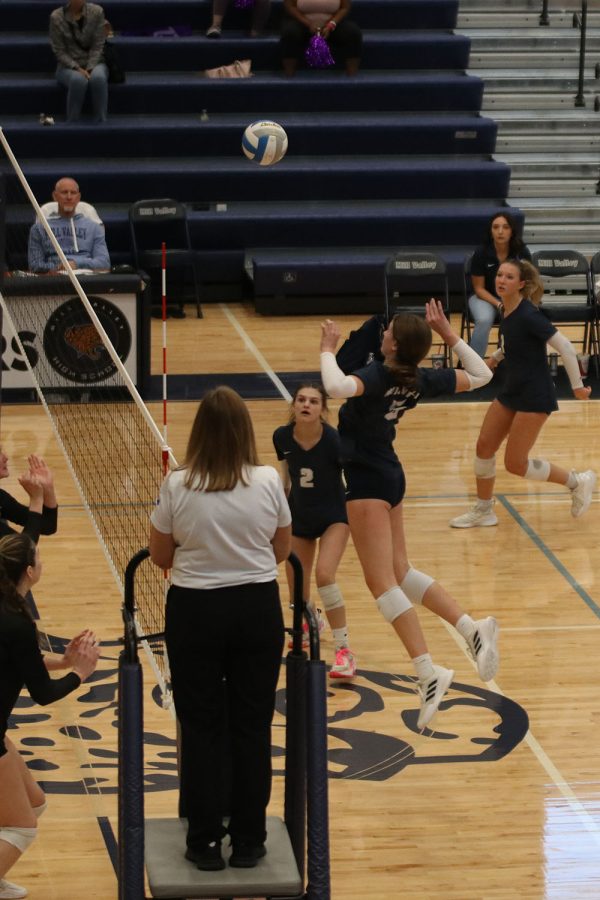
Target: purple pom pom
[
  {"x": 243, "y": 4},
  {"x": 318, "y": 54}
]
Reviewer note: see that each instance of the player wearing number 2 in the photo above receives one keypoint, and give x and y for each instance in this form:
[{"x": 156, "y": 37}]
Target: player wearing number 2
[{"x": 309, "y": 451}]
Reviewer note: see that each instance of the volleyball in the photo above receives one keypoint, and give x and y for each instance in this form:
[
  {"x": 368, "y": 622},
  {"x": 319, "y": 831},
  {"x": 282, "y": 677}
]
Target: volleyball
[{"x": 265, "y": 143}]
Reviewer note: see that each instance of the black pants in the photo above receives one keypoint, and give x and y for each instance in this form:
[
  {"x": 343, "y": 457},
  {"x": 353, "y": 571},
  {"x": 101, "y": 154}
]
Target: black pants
[
  {"x": 225, "y": 649},
  {"x": 345, "y": 42}
]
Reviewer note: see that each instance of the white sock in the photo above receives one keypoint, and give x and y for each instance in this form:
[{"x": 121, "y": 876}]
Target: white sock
[
  {"x": 465, "y": 626},
  {"x": 423, "y": 666},
  {"x": 484, "y": 504},
  {"x": 340, "y": 637},
  {"x": 572, "y": 481}
]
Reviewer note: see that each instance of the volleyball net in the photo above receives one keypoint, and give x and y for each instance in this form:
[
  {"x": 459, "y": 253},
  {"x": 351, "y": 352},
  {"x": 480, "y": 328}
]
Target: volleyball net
[{"x": 73, "y": 348}]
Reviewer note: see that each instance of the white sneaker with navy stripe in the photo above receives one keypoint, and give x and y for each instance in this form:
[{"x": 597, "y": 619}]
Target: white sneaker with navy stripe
[
  {"x": 432, "y": 693},
  {"x": 483, "y": 647},
  {"x": 581, "y": 495}
]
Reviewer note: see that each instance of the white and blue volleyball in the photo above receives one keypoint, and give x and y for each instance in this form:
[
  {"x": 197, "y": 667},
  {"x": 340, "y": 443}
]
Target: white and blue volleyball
[{"x": 265, "y": 143}]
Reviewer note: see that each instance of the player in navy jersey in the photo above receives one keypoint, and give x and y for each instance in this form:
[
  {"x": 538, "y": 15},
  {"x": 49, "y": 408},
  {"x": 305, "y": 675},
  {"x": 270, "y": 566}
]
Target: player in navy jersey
[
  {"x": 526, "y": 399},
  {"x": 309, "y": 451},
  {"x": 22, "y": 800},
  {"x": 40, "y": 517},
  {"x": 387, "y": 380}
]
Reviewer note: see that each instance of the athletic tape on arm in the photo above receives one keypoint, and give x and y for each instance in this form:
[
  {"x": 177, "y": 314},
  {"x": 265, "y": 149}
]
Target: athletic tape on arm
[{"x": 335, "y": 382}]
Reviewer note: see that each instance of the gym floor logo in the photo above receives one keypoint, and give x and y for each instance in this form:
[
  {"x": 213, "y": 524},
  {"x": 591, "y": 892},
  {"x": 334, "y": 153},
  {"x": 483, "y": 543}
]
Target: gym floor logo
[
  {"x": 497, "y": 725},
  {"x": 73, "y": 346}
]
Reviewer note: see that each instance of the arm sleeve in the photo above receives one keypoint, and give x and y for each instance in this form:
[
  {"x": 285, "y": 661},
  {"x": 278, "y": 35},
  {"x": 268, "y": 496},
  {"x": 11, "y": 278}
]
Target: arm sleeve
[
  {"x": 564, "y": 346},
  {"x": 29, "y": 663},
  {"x": 355, "y": 351},
  {"x": 36, "y": 259},
  {"x": 98, "y": 258},
  {"x": 334, "y": 381},
  {"x": 477, "y": 372},
  {"x": 33, "y": 523},
  {"x": 97, "y": 45}
]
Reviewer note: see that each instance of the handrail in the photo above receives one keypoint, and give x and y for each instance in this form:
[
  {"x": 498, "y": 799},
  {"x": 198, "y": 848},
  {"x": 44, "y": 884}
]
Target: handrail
[{"x": 581, "y": 22}]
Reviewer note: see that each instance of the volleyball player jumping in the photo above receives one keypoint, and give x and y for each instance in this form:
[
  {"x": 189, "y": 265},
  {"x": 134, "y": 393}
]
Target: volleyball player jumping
[
  {"x": 378, "y": 392},
  {"x": 309, "y": 451}
]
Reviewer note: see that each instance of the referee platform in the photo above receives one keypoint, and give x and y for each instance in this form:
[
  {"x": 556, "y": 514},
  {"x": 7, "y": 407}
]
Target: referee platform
[{"x": 296, "y": 866}]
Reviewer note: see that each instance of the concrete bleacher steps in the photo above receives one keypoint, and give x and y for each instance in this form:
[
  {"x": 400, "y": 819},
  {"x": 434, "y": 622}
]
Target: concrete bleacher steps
[
  {"x": 551, "y": 145},
  {"x": 397, "y": 156}
]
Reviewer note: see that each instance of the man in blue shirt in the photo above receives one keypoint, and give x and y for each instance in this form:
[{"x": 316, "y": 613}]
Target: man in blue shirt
[{"x": 80, "y": 236}]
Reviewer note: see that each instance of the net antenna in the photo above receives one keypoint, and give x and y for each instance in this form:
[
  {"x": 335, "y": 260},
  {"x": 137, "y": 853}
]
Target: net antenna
[{"x": 76, "y": 351}]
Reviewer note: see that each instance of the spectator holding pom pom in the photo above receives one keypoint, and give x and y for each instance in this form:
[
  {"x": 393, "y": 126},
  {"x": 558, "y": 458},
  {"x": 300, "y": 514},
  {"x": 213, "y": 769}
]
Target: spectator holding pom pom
[{"x": 321, "y": 30}]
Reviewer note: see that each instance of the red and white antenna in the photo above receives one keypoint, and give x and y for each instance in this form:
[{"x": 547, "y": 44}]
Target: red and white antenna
[{"x": 165, "y": 448}]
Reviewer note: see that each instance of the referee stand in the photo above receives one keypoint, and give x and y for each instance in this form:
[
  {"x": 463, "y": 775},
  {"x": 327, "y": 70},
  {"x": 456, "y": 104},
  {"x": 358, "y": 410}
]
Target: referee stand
[{"x": 296, "y": 866}]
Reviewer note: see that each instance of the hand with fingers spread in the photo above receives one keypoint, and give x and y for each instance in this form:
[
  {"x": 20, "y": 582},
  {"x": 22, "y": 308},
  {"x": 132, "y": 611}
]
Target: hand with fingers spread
[
  {"x": 435, "y": 316},
  {"x": 39, "y": 469},
  {"x": 330, "y": 336}
]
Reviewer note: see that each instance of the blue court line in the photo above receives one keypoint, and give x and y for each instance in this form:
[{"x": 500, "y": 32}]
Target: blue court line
[
  {"x": 110, "y": 840},
  {"x": 550, "y": 556}
]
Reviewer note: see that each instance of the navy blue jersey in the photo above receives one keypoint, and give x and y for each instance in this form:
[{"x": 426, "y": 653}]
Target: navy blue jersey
[
  {"x": 317, "y": 498},
  {"x": 485, "y": 263},
  {"x": 367, "y": 424},
  {"x": 528, "y": 385}
]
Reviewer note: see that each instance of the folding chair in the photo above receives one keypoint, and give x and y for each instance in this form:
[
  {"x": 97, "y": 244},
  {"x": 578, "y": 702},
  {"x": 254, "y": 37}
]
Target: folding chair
[
  {"x": 152, "y": 222},
  {"x": 410, "y": 279},
  {"x": 569, "y": 295}
]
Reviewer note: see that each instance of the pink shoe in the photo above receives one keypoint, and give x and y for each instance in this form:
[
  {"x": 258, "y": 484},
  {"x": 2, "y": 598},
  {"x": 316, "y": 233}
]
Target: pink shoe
[
  {"x": 305, "y": 638},
  {"x": 344, "y": 666}
]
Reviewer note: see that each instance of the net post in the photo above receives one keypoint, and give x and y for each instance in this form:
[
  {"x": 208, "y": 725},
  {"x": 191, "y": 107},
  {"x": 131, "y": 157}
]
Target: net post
[
  {"x": 131, "y": 750},
  {"x": 295, "y": 729},
  {"x": 319, "y": 875}
]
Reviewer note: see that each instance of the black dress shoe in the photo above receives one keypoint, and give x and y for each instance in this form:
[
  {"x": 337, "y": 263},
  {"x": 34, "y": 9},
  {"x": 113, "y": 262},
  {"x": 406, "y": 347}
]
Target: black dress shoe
[
  {"x": 245, "y": 856},
  {"x": 207, "y": 858},
  {"x": 177, "y": 312}
]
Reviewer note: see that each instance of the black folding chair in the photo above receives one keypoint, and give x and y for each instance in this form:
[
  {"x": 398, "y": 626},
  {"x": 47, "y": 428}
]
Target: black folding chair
[
  {"x": 410, "y": 279},
  {"x": 152, "y": 222},
  {"x": 569, "y": 295}
]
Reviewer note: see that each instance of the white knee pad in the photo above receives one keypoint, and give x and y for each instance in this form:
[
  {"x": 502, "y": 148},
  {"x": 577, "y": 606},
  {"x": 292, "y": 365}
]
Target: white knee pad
[
  {"x": 415, "y": 584},
  {"x": 393, "y": 603},
  {"x": 331, "y": 597},
  {"x": 20, "y": 838},
  {"x": 484, "y": 468},
  {"x": 537, "y": 470},
  {"x": 38, "y": 810}
]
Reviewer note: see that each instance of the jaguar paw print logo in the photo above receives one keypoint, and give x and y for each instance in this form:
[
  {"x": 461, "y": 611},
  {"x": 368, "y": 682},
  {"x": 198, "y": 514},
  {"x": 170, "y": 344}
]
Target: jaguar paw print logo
[
  {"x": 473, "y": 725},
  {"x": 73, "y": 346}
]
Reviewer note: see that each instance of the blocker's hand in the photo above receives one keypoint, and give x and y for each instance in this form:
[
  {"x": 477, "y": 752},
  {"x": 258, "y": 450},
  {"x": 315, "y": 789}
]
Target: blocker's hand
[
  {"x": 435, "y": 316},
  {"x": 330, "y": 336}
]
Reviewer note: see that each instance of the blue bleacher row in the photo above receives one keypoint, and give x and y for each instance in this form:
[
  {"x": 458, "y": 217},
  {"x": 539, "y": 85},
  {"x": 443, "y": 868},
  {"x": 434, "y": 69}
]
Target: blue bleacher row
[
  {"x": 397, "y": 157},
  {"x": 143, "y": 15}
]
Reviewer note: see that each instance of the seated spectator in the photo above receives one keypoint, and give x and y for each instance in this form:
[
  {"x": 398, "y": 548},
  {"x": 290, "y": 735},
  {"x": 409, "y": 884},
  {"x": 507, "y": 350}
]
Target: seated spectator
[
  {"x": 77, "y": 35},
  {"x": 260, "y": 14},
  {"x": 80, "y": 237},
  {"x": 305, "y": 18},
  {"x": 502, "y": 242}
]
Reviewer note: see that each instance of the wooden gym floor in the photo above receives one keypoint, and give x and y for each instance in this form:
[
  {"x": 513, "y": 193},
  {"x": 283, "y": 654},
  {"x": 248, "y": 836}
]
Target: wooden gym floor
[{"x": 481, "y": 809}]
